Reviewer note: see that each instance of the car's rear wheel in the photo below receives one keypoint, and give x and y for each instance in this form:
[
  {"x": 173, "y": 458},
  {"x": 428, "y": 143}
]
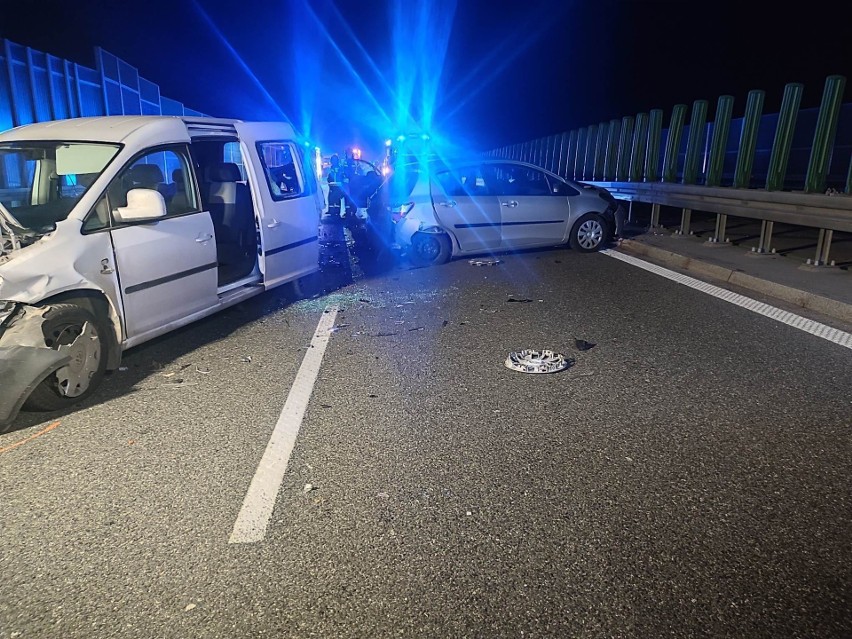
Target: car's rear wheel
[
  {"x": 430, "y": 248},
  {"x": 588, "y": 233},
  {"x": 76, "y": 332}
]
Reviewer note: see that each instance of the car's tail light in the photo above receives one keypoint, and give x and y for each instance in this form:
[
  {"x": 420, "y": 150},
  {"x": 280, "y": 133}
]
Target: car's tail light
[{"x": 400, "y": 211}]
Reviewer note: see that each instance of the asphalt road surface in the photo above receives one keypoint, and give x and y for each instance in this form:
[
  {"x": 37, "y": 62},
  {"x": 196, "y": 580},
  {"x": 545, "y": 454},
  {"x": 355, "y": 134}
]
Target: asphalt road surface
[{"x": 688, "y": 476}]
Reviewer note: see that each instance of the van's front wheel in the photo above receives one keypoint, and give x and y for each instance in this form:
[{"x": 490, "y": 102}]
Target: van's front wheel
[{"x": 76, "y": 332}]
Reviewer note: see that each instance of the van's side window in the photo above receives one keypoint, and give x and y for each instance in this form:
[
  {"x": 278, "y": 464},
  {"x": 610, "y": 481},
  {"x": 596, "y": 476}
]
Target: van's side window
[
  {"x": 281, "y": 169},
  {"x": 165, "y": 170}
]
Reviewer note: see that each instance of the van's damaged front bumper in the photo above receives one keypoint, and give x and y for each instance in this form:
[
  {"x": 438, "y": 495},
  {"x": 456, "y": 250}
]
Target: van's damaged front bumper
[{"x": 25, "y": 360}]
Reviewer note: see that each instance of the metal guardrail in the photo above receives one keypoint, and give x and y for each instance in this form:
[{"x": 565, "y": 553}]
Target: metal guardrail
[{"x": 698, "y": 161}]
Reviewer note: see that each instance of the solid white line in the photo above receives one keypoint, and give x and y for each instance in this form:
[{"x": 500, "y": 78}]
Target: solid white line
[
  {"x": 828, "y": 333},
  {"x": 259, "y": 502}
]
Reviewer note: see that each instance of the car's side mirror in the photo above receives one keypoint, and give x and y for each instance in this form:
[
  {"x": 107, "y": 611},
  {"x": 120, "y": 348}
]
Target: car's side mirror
[{"x": 142, "y": 204}]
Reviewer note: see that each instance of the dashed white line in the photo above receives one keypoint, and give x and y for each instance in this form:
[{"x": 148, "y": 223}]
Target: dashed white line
[
  {"x": 259, "y": 501},
  {"x": 835, "y": 335}
]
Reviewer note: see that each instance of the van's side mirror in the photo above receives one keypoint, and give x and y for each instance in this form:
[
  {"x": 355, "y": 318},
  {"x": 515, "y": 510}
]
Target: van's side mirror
[{"x": 142, "y": 204}]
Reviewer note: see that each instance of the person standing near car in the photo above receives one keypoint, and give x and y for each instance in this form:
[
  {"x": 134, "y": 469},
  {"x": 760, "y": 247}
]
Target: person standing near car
[{"x": 336, "y": 193}]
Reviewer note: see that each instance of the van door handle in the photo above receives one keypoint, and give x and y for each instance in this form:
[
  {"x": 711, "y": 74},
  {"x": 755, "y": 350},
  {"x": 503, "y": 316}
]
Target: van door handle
[
  {"x": 201, "y": 239},
  {"x": 511, "y": 204},
  {"x": 274, "y": 223},
  {"x": 448, "y": 203}
]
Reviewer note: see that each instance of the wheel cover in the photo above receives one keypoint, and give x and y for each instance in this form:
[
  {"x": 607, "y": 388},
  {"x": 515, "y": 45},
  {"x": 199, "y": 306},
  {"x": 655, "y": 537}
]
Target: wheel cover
[
  {"x": 530, "y": 361},
  {"x": 85, "y": 352},
  {"x": 590, "y": 234}
]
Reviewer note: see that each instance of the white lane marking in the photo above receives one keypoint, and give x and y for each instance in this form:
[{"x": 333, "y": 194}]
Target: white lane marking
[
  {"x": 834, "y": 335},
  {"x": 260, "y": 499}
]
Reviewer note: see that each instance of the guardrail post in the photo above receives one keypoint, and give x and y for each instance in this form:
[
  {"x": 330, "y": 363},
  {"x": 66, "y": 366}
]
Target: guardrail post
[
  {"x": 673, "y": 143},
  {"x": 748, "y": 139},
  {"x": 655, "y": 215},
  {"x": 589, "y": 161},
  {"x": 623, "y": 163},
  {"x": 652, "y": 159},
  {"x": 719, "y": 143},
  {"x": 600, "y": 150},
  {"x": 784, "y": 136},
  {"x": 694, "y": 143},
  {"x": 823, "y": 247},
  {"x": 721, "y": 229},
  {"x": 765, "y": 243},
  {"x": 581, "y": 153},
  {"x": 826, "y": 128},
  {"x": 685, "y": 223},
  {"x": 638, "y": 148},
  {"x": 612, "y": 150}
]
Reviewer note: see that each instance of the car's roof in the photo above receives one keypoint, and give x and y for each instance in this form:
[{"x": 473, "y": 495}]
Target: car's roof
[{"x": 109, "y": 128}]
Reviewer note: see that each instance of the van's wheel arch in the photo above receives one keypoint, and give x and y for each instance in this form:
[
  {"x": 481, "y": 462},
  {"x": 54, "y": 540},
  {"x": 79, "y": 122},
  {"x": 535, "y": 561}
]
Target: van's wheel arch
[
  {"x": 429, "y": 249},
  {"x": 83, "y": 335},
  {"x": 589, "y": 233}
]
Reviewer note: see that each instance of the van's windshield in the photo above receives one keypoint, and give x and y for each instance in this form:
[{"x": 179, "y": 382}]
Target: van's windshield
[{"x": 41, "y": 182}]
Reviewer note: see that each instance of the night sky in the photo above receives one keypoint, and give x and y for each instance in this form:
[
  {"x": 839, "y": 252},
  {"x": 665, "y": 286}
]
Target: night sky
[{"x": 498, "y": 72}]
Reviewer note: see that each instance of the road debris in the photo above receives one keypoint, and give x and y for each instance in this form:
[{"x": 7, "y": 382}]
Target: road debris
[
  {"x": 123, "y": 368},
  {"x": 484, "y": 262},
  {"x": 583, "y": 345},
  {"x": 530, "y": 361},
  {"x": 524, "y": 300},
  {"x": 308, "y": 488},
  {"x": 189, "y": 607},
  {"x": 384, "y": 334},
  {"x": 445, "y": 322},
  {"x": 203, "y": 371},
  {"x": 334, "y": 329},
  {"x": 247, "y": 359},
  {"x": 416, "y": 328}
]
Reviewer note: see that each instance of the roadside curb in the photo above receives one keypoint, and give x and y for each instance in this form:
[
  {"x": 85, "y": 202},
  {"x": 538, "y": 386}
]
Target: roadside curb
[{"x": 825, "y": 305}]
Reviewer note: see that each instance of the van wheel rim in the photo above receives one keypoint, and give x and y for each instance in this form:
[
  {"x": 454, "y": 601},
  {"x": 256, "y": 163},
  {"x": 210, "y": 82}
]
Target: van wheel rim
[
  {"x": 85, "y": 352},
  {"x": 590, "y": 234}
]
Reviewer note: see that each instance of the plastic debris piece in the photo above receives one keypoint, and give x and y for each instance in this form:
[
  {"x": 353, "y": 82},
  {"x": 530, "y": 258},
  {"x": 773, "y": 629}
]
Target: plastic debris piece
[
  {"x": 583, "y": 345},
  {"x": 364, "y": 300},
  {"x": 484, "y": 262},
  {"x": 247, "y": 359},
  {"x": 308, "y": 488},
  {"x": 383, "y": 495},
  {"x": 520, "y": 301},
  {"x": 530, "y": 361},
  {"x": 122, "y": 368},
  {"x": 205, "y": 371},
  {"x": 416, "y": 328},
  {"x": 325, "y": 405},
  {"x": 384, "y": 334},
  {"x": 189, "y": 607}
]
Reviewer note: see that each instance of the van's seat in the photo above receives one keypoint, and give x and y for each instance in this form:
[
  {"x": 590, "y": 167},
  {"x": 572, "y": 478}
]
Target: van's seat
[{"x": 230, "y": 206}]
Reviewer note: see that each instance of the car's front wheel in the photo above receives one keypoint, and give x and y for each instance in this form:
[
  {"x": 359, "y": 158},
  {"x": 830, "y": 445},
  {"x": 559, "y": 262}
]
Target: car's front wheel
[
  {"x": 430, "y": 248},
  {"x": 588, "y": 233},
  {"x": 76, "y": 332}
]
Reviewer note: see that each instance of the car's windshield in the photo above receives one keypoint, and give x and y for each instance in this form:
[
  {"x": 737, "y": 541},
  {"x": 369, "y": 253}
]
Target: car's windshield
[{"x": 41, "y": 182}]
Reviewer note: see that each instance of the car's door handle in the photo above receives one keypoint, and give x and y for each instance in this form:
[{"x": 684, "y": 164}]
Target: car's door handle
[
  {"x": 511, "y": 204},
  {"x": 273, "y": 224},
  {"x": 203, "y": 238},
  {"x": 448, "y": 203}
]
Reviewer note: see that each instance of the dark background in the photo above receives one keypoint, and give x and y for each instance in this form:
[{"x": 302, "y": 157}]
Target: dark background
[{"x": 512, "y": 71}]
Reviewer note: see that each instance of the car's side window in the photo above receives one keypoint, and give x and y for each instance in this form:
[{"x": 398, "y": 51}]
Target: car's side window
[
  {"x": 465, "y": 181},
  {"x": 165, "y": 170},
  {"x": 558, "y": 187},
  {"x": 521, "y": 180},
  {"x": 280, "y": 168}
]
